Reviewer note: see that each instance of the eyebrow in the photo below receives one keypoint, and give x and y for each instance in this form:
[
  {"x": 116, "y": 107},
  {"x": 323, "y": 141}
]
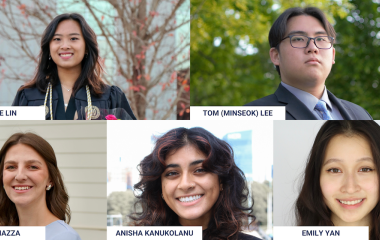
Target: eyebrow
[
  {"x": 196, "y": 162},
  {"x": 339, "y": 160},
  {"x": 57, "y": 34},
  {"x": 305, "y": 33},
  {"x": 28, "y": 161}
]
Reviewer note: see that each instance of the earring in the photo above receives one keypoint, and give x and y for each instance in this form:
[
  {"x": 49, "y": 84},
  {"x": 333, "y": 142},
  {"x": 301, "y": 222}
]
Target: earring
[
  {"x": 48, "y": 188},
  {"x": 49, "y": 57},
  {"x": 162, "y": 195}
]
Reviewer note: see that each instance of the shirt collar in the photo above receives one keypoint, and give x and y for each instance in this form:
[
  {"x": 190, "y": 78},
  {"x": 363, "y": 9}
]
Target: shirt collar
[{"x": 307, "y": 98}]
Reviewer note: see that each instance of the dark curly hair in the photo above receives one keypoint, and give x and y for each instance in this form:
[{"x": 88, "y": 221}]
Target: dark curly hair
[
  {"x": 229, "y": 212},
  {"x": 310, "y": 208}
]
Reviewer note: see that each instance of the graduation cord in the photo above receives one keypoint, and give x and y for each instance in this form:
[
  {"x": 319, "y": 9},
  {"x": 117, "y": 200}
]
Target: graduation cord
[
  {"x": 49, "y": 91},
  {"x": 89, "y": 109}
]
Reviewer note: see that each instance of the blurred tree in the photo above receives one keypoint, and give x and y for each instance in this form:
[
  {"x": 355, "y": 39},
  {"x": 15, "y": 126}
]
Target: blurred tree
[
  {"x": 217, "y": 28},
  {"x": 121, "y": 203},
  {"x": 230, "y": 64},
  {"x": 356, "y": 73},
  {"x": 143, "y": 44},
  {"x": 260, "y": 191}
]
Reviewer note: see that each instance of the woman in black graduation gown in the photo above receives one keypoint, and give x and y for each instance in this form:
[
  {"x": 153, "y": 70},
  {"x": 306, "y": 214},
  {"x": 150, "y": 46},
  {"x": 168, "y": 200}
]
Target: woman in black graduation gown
[{"x": 68, "y": 77}]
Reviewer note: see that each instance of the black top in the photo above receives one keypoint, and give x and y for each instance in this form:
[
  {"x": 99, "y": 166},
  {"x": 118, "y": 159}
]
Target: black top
[
  {"x": 243, "y": 236},
  {"x": 112, "y": 101},
  {"x": 70, "y": 111}
]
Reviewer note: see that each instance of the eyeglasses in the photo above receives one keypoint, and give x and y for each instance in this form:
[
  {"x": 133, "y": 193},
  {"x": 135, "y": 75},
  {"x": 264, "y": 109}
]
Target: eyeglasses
[{"x": 321, "y": 42}]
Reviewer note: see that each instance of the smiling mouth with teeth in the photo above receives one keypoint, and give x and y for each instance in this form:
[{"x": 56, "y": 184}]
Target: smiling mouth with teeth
[
  {"x": 351, "y": 202},
  {"x": 22, "y": 188},
  {"x": 190, "y": 199},
  {"x": 66, "y": 55}
]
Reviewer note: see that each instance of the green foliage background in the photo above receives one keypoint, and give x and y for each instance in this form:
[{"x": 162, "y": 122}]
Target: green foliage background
[{"x": 222, "y": 77}]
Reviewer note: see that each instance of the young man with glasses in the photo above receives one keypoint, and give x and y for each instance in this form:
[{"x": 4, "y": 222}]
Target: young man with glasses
[{"x": 302, "y": 50}]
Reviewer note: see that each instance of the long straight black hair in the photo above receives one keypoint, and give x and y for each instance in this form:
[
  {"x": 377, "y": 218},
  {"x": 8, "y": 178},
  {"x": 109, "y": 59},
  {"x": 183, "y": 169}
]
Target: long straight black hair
[
  {"x": 92, "y": 70},
  {"x": 310, "y": 208}
]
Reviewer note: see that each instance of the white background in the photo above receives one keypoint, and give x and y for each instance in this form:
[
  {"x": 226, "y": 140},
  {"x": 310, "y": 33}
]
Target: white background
[{"x": 127, "y": 141}]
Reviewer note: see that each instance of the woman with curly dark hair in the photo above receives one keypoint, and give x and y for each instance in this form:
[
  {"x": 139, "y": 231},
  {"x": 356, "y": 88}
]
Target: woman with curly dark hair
[
  {"x": 191, "y": 179},
  {"x": 341, "y": 185}
]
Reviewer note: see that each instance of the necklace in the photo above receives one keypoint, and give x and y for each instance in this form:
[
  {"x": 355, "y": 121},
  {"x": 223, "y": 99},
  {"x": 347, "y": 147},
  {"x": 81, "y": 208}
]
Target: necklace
[
  {"x": 65, "y": 88},
  {"x": 89, "y": 102}
]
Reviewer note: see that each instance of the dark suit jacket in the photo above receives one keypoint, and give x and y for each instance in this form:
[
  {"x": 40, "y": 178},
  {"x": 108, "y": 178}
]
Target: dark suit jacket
[{"x": 296, "y": 110}]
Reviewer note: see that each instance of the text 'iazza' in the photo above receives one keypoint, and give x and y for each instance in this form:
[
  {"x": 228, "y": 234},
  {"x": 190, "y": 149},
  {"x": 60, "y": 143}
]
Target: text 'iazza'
[
  {"x": 320, "y": 233},
  {"x": 9, "y": 233},
  {"x": 8, "y": 113}
]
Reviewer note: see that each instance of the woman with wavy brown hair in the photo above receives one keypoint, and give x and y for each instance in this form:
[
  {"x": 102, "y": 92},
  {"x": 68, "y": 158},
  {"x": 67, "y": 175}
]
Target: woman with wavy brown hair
[
  {"x": 191, "y": 179},
  {"x": 341, "y": 181},
  {"x": 33, "y": 192}
]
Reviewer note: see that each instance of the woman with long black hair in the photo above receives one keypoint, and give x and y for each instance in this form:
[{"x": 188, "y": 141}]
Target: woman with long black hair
[
  {"x": 341, "y": 181},
  {"x": 68, "y": 76}
]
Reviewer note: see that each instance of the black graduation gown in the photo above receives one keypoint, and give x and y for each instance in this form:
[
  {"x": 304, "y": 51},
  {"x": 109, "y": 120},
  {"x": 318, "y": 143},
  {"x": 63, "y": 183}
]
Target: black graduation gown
[{"x": 112, "y": 101}]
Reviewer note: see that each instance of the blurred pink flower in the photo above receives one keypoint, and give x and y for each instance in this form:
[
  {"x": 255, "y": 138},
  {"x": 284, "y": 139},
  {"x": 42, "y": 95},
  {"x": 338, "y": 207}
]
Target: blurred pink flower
[{"x": 111, "y": 117}]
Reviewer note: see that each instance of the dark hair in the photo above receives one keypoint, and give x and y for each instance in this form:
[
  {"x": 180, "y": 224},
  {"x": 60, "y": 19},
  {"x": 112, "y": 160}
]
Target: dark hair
[
  {"x": 92, "y": 70},
  {"x": 310, "y": 208},
  {"x": 228, "y": 212},
  {"x": 278, "y": 29},
  {"x": 56, "y": 198}
]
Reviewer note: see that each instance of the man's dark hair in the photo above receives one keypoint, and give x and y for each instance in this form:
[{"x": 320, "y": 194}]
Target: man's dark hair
[{"x": 278, "y": 29}]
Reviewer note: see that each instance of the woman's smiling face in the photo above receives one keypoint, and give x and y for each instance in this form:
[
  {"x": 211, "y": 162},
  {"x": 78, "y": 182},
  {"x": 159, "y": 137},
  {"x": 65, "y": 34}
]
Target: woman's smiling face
[
  {"x": 349, "y": 181},
  {"x": 67, "y": 48},
  {"x": 25, "y": 176},
  {"x": 187, "y": 188}
]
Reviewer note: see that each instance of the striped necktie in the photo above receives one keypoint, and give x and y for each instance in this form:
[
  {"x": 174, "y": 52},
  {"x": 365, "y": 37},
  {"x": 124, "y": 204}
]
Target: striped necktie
[{"x": 321, "y": 107}]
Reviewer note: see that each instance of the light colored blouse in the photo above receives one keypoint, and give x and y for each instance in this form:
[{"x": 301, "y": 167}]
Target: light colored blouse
[{"x": 59, "y": 230}]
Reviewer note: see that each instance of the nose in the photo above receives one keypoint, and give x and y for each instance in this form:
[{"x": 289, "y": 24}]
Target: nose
[
  {"x": 65, "y": 44},
  {"x": 350, "y": 184},
  {"x": 186, "y": 182},
  {"x": 311, "y": 46},
  {"x": 21, "y": 175}
]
